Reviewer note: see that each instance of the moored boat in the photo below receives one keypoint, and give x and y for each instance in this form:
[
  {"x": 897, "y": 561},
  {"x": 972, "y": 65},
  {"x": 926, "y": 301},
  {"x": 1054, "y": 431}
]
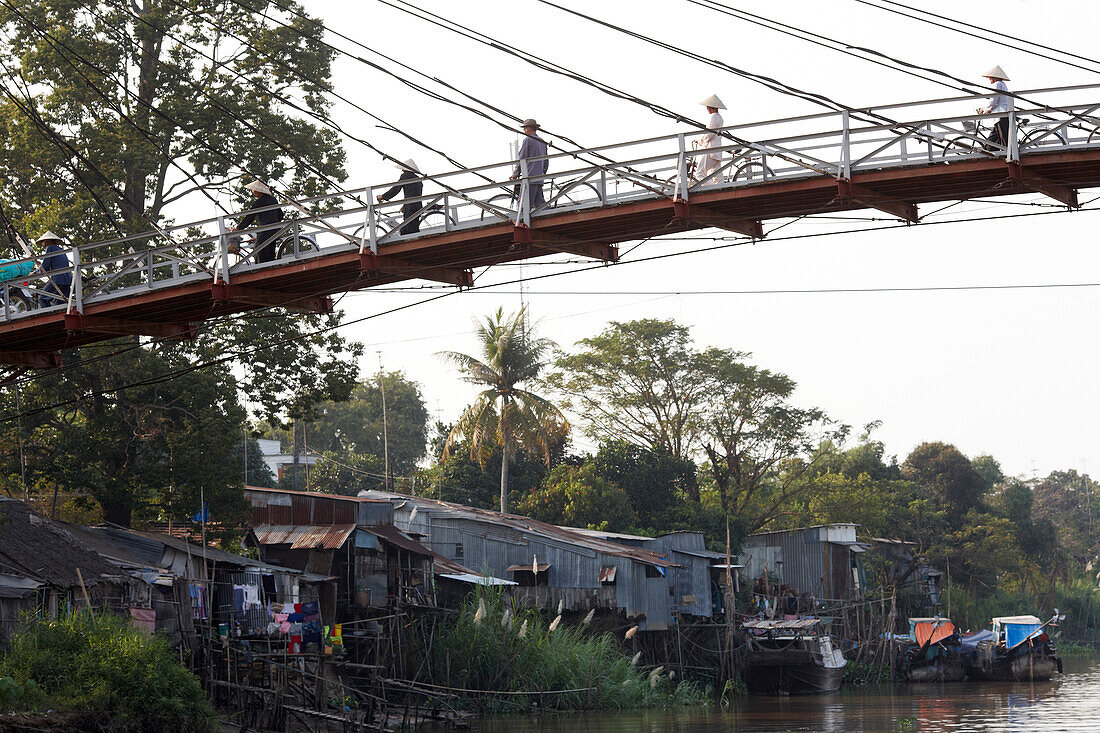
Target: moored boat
[
  {"x": 791, "y": 657},
  {"x": 933, "y": 653},
  {"x": 1018, "y": 648}
]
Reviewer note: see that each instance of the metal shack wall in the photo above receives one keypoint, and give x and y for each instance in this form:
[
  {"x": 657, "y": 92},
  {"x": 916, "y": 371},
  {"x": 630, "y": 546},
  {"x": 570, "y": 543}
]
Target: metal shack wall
[
  {"x": 803, "y": 557},
  {"x": 692, "y": 579},
  {"x": 493, "y": 548}
]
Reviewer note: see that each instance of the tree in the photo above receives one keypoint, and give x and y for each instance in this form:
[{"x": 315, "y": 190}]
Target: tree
[
  {"x": 117, "y": 113},
  {"x": 159, "y": 101},
  {"x": 637, "y": 381},
  {"x": 150, "y": 452},
  {"x": 1071, "y": 501},
  {"x": 347, "y": 473},
  {"x": 761, "y": 448},
  {"x": 653, "y": 480},
  {"x": 356, "y": 425},
  {"x": 946, "y": 476},
  {"x": 576, "y": 496},
  {"x": 504, "y": 413}
]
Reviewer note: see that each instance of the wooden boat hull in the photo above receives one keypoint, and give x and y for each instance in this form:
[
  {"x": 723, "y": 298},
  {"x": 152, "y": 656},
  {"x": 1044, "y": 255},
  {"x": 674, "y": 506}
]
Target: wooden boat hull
[
  {"x": 938, "y": 670},
  {"x": 1036, "y": 664},
  {"x": 767, "y": 675}
]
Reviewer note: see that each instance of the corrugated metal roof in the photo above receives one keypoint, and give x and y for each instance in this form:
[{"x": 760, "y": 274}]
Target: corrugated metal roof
[
  {"x": 394, "y": 536},
  {"x": 543, "y": 567},
  {"x": 303, "y": 536},
  {"x": 528, "y": 525},
  {"x": 475, "y": 579},
  {"x": 607, "y": 573},
  {"x": 338, "y": 497}
]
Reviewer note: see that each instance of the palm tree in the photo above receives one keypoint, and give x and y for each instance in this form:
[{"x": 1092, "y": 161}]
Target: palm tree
[{"x": 504, "y": 413}]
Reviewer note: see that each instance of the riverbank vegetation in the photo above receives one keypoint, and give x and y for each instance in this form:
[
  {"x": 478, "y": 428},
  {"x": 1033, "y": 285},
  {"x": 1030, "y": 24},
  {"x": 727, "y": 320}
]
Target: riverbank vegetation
[
  {"x": 503, "y": 660},
  {"x": 105, "y": 671}
]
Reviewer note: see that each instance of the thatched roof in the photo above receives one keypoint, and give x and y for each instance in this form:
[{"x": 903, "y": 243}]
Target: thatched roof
[{"x": 33, "y": 546}]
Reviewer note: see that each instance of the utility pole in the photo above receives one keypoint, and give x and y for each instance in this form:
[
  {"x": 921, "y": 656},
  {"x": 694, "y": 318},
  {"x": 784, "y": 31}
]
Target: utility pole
[{"x": 385, "y": 427}]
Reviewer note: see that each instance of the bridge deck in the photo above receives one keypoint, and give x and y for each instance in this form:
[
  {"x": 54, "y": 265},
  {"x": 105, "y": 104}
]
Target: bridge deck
[{"x": 160, "y": 290}]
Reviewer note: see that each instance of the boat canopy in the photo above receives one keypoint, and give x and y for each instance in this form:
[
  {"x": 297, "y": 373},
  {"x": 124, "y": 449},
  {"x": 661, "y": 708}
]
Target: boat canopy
[
  {"x": 798, "y": 623},
  {"x": 930, "y": 630}
]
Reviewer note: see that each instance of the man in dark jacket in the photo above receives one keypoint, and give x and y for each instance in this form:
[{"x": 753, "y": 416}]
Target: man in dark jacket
[
  {"x": 533, "y": 147},
  {"x": 60, "y": 283},
  {"x": 264, "y": 250},
  {"x": 413, "y": 189}
]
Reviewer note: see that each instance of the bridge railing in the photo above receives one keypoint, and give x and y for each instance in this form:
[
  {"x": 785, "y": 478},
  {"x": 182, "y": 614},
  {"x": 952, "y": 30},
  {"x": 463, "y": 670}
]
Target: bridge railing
[{"x": 836, "y": 144}]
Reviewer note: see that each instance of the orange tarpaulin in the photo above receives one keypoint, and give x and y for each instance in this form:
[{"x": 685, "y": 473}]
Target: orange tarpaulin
[{"x": 928, "y": 632}]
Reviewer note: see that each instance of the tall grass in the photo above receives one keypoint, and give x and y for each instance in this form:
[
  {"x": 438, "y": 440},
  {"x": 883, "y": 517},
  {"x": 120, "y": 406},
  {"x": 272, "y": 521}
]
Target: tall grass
[
  {"x": 560, "y": 669},
  {"x": 105, "y": 667},
  {"x": 1078, "y": 600}
]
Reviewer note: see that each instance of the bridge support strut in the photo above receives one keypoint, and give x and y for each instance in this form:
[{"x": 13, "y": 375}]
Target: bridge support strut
[
  {"x": 226, "y": 293},
  {"x": 372, "y": 264},
  {"x": 685, "y": 213},
  {"x": 1023, "y": 178},
  {"x": 31, "y": 359},
  {"x": 525, "y": 237},
  {"x": 859, "y": 194},
  {"x": 77, "y": 322}
]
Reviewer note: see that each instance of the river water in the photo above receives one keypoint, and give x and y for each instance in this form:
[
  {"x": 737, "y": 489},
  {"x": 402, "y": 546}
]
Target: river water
[{"x": 1070, "y": 702}]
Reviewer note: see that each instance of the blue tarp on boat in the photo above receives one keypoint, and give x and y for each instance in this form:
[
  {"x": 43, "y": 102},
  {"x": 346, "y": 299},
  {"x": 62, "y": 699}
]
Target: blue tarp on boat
[{"x": 1016, "y": 634}]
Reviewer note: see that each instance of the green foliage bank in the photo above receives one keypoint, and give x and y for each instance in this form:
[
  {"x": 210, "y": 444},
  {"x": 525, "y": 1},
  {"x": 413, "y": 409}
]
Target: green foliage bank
[{"x": 107, "y": 669}]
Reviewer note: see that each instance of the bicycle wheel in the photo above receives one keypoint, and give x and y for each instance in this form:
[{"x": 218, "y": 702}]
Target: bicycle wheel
[
  {"x": 306, "y": 243},
  {"x": 1094, "y": 137},
  {"x": 435, "y": 218},
  {"x": 753, "y": 170},
  {"x": 1039, "y": 138},
  {"x": 959, "y": 145},
  {"x": 18, "y": 303},
  {"x": 500, "y": 201},
  {"x": 582, "y": 193}
]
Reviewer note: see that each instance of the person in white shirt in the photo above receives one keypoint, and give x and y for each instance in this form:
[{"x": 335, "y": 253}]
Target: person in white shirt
[
  {"x": 997, "y": 103},
  {"x": 709, "y": 162}
]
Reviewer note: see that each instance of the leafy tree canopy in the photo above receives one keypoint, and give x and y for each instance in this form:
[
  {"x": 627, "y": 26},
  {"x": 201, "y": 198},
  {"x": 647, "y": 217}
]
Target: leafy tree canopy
[
  {"x": 579, "y": 497},
  {"x": 654, "y": 481}
]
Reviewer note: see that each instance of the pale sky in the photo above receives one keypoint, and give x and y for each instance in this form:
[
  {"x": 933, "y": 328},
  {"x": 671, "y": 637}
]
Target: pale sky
[{"x": 1005, "y": 372}]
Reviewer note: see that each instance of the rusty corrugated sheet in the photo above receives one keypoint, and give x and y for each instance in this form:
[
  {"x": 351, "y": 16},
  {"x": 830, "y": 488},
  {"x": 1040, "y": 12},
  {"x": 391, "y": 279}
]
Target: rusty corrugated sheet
[
  {"x": 607, "y": 573},
  {"x": 396, "y": 537},
  {"x": 304, "y": 536}
]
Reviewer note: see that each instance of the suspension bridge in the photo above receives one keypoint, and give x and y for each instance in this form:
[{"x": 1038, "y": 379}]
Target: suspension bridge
[{"x": 167, "y": 282}]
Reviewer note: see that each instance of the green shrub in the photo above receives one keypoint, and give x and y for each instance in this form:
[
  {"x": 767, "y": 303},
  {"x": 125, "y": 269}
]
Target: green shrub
[
  {"x": 491, "y": 655},
  {"x": 107, "y": 667}
]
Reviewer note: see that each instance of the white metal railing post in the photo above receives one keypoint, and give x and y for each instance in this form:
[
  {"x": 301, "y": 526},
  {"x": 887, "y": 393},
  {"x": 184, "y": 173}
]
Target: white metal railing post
[
  {"x": 223, "y": 247},
  {"x": 928, "y": 137},
  {"x": 603, "y": 187},
  {"x": 1013, "y": 136},
  {"x": 523, "y": 210},
  {"x": 372, "y": 222},
  {"x": 296, "y": 228},
  {"x": 447, "y": 212},
  {"x": 845, "y": 171},
  {"x": 682, "y": 186},
  {"x": 78, "y": 282}
]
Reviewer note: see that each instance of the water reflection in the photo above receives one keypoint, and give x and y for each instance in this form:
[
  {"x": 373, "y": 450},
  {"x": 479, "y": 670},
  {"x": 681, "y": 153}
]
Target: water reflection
[{"x": 1070, "y": 702}]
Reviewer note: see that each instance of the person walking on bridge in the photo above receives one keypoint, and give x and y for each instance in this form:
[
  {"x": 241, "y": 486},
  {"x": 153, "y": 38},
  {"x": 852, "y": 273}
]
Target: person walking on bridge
[
  {"x": 997, "y": 103},
  {"x": 414, "y": 188},
  {"x": 533, "y": 147},
  {"x": 264, "y": 251},
  {"x": 710, "y": 162},
  {"x": 57, "y": 266}
]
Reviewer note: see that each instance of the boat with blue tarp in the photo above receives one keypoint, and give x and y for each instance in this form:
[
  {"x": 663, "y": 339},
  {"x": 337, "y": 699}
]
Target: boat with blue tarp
[{"x": 1017, "y": 648}]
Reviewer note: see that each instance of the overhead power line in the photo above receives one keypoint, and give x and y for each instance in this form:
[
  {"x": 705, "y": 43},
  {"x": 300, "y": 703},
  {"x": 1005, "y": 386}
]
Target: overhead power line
[{"x": 973, "y": 33}]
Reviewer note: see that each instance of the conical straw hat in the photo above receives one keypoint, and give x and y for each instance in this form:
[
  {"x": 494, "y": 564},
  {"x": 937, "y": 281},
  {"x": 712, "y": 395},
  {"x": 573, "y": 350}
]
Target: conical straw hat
[
  {"x": 258, "y": 187},
  {"x": 47, "y": 237},
  {"x": 713, "y": 101},
  {"x": 996, "y": 73},
  {"x": 409, "y": 164}
]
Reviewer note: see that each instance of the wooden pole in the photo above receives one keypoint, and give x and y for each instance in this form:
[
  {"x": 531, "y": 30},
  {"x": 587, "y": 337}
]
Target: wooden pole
[{"x": 84, "y": 590}]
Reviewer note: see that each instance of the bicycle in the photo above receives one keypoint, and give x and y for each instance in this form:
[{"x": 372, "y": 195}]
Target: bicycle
[
  {"x": 753, "y": 168},
  {"x": 15, "y": 297},
  {"x": 978, "y": 137},
  {"x": 433, "y": 217},
  {"x": 569, "y": 193}
]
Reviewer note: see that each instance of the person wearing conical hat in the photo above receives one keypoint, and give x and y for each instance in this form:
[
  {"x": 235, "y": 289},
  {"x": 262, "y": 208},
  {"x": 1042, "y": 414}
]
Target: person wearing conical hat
[
  {"x": 709, "y": 162},
  {"x": 533, "y": 147},
  {"x": 413, "y": 188},
  {"x": 56, "y": 266},
  {"x": 262, "y": 198},
  {"x": 997, "y": 103}
]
